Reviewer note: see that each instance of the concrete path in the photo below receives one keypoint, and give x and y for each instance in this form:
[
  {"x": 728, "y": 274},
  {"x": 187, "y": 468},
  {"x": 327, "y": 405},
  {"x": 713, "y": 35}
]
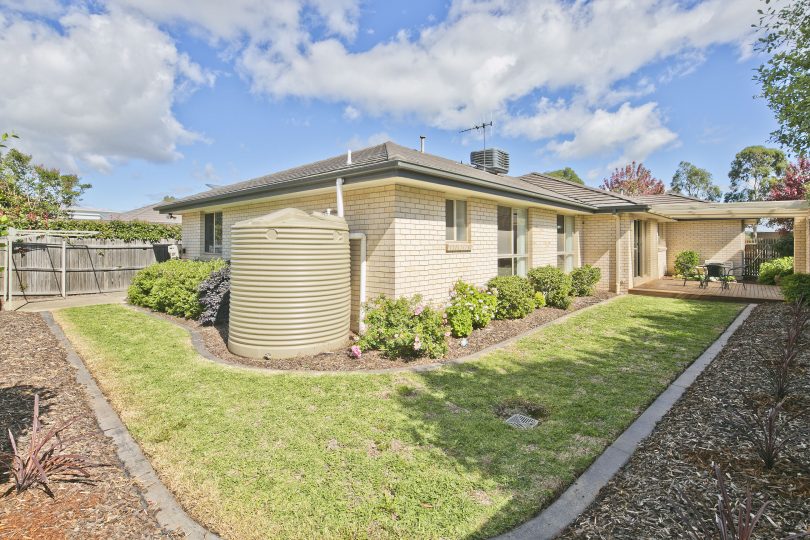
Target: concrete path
[
  {"x": 579, "y": 496},
  {"x": 170, "y": 514},
  {"x": 57, "y": 302}
]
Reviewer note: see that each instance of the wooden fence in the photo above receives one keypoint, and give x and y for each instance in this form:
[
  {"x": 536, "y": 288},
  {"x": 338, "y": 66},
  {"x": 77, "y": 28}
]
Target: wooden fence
[
  {"x": 756, "y": 253},
  {"x": 92, "y": 265}
]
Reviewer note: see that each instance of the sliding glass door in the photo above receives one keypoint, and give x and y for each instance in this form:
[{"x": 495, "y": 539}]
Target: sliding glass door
[{"x": 512, "y": 241}]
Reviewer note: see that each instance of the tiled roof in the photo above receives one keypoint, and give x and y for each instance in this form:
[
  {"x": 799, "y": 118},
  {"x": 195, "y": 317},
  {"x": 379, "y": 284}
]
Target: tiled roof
[
  {"x": 387, "y": 152},
  {"x": 598, "y": 198},
  {"x": 668, "y": 198},
  {"x": 147, "y": 213}
]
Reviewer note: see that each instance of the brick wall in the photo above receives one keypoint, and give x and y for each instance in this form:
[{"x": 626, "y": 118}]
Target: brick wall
[
  {"x": 599, "y": 247},
  {"x": 719, "y": 240},
  {"x": 543, "y": 237},
  {"x": 801, "y": 245}
]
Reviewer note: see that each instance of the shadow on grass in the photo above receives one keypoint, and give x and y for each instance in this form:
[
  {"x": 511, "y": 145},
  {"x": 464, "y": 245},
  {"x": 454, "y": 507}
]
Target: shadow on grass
[{"x": 592, "y": 383}]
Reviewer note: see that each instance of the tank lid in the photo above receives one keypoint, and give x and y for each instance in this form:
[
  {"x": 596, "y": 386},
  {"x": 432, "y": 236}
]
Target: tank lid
[{"x": 293, "y": 217}]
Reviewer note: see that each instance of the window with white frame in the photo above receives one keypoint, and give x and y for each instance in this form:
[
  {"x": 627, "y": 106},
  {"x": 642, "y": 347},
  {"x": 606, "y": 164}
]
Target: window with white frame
[
  {"x": 455, "y": 213},
  {"x": 566, "y": 259},
  {"x": 213, "y": 232},
  {"x": 512, "y": 241}
]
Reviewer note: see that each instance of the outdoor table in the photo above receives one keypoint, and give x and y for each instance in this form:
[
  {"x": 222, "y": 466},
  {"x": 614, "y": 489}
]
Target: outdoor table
[{"x": 717, "y": 270}]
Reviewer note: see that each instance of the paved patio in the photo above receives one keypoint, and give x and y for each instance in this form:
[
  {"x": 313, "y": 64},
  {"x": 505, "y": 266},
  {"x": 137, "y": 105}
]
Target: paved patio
[
  {"x": 51, "y": 303},
  {"x": 675, "y": 288}
]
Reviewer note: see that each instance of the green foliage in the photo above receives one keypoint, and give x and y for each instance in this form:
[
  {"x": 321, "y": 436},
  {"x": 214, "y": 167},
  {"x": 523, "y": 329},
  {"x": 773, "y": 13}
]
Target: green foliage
[
  {"x": 31, "y": 195},
  {"x": 515, "y": 296},
  {"x": 584, "y": 280},
  {"x": 403, "y": 328},
  {"x": 796, "y": 287},
  {"x": 785, "y": 77},
  {"x": 784, "y": 245},
  {"x": 480, "y": 303},
  {"x": 539, "y": 300},
  {"x": 685, "y": 262},
  {"x": 693, "y": 181},
  {"x": 566, "y": 174},
  {"x": 771, "y": 272},
  {"x": 754, "y": 171},
  {"x": 172, "y": 286},
  {"x": 553, "y": 283},
  {"x": 459, "y": 319},
  {"x": 129, "y": 231}
]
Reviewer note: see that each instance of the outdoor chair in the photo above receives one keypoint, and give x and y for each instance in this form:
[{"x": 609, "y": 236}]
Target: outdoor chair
[
  {"x": 714, "y": 270},
  {"x": 698, "y": 270},
  {"x": 738, "y": 273}
]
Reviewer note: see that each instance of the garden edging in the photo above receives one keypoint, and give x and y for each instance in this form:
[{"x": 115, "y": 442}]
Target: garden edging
[
  {"x": 199, "y": 345},
  {"x": 169, "y": 513},
  {"x": 578, "y": 497}
]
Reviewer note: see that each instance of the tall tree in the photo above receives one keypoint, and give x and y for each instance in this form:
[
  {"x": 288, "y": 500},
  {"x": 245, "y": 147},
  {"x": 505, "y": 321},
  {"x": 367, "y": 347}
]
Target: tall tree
[
  {"x": 793, "y": 187},
  {"x": 696, "y": 182},
  {"x": 566, "y": 174},
  {"x": 633, "y": 179},
  {"x": 33, "y": 194},
  {"x": 754, "y": 171},
  {"x": 785, "y": 77}
]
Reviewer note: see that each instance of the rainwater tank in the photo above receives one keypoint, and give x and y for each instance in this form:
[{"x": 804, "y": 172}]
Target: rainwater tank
[{"x": 290, "y": 285}]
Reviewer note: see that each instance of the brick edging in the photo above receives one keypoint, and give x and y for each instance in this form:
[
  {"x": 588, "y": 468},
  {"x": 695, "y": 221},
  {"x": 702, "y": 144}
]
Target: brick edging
[
  {"x": 170, "y": 514},
  {"x": 556, "y": 517},
  {"x": 199, "y": 345}
]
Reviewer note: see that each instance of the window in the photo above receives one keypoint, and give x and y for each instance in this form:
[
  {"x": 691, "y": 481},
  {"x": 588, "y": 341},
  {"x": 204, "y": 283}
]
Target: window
[
  {"x": 213, "y": 232},
  {"x": 456, "y": 220},
  {"x": 565, "y": 243},
  {"x": 639, "y": 251},
  {"x": 512, "y": 242}
]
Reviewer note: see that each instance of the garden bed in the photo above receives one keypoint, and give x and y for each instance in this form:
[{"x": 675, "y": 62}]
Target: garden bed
[
  {"x": 33, "y": 362},
  {"x": 216, "y": 340},
  {"x": 668, "y": 487}
]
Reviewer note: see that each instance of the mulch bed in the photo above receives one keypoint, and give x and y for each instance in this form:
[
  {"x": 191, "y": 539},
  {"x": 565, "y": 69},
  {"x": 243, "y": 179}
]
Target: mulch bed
[
  {"x": 216, "y": 340},
  {"x": 110, "y": 505},
  {"x": 668, "y": 487}
]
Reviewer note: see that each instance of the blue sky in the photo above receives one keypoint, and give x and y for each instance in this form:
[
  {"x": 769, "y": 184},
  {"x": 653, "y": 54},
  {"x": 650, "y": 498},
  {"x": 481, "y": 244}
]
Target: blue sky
[{"x": 145, "y": 99}]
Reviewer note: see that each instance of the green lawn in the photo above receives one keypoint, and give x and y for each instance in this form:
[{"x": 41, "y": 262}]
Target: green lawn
[{"x": 400, "y": 455}]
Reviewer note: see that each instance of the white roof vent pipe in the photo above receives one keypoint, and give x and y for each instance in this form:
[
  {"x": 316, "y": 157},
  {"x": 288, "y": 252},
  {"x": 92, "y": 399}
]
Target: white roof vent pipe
[
  {"x": 422, "y": 143},
  {"x": 348, "y": 157}
]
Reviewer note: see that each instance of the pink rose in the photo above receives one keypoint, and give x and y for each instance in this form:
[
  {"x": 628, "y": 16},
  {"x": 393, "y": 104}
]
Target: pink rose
[
  {"x": 356, "y": 352},
  {"x": 418, "y": 310}
]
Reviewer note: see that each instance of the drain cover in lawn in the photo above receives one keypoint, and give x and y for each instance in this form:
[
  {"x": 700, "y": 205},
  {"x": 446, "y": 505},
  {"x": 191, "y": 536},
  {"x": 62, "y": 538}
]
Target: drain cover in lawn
[{"x": 521, "y": 421}]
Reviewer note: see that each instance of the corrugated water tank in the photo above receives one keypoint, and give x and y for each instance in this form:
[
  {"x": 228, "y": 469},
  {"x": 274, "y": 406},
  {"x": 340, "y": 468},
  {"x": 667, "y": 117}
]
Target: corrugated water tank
[{"x": 290, "y": 285}]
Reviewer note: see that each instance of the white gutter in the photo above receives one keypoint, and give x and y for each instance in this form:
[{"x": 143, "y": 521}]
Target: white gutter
[{"x": 355, "y": 236}]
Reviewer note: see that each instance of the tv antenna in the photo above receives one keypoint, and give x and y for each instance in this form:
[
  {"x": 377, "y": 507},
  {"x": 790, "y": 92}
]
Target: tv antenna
[{"x": 483, "y": 126}]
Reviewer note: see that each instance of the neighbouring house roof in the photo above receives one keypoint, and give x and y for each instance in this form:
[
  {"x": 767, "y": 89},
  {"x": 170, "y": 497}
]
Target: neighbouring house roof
[
  {"x": 369, "y": 161},
  {"x": 83, "y": 212},
  {"x": 598, "y": 198},
  {"x": 149, "y": 214}
]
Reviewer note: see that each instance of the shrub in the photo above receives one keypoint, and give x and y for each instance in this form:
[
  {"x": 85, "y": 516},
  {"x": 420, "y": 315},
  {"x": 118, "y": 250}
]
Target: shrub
[
  {"x": 796, "y": 288},
  {"x": 584, "y": 280},
  {"x": 214, "y": 294},
  {"x": 403, "y": 328},
  {"x": 771, "y": 272},
  {"x": 46, "y": 457},
  {"x": 553, "y": 283},
  {"x": 460, "y": 320},
  {"x": 539, "y": 300},
  {"x": 515, "y": 296},
  {"x": 685, "y": 263},
  {"x": 171, "y": 286},
  {"x": 480, "y": 304}
]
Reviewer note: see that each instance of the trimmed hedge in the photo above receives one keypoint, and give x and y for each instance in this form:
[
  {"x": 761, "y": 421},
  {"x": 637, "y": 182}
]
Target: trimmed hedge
[
  {"x": 796, "y": 287},
  {"x": 172, "y": 286},
  {"x": 553, "y": 283},
  {"x": 584, "y": 280},
  {"x": 515, "y": 296},
  {"x": 128, "y": 231},
  {"x": 771, "y": 272}
]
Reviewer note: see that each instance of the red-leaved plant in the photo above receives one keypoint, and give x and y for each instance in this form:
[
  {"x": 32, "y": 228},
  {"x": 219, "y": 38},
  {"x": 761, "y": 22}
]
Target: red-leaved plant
[
  {"x": 730, "y": 527},
  {"x": 44, "y": 458}
]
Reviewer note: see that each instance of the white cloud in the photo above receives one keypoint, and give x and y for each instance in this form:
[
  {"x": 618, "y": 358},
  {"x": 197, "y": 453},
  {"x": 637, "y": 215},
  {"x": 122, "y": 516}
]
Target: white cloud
[
  {"x": 99, "y": 89},
  {"x": 637, "y": 130},
  {"x": 351, "y": 113},
  {"x": 357, "y": 142}
]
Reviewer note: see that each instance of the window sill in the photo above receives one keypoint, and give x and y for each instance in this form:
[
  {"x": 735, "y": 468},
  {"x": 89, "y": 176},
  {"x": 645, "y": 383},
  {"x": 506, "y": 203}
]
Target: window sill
[{"x": 452, "y": 246}]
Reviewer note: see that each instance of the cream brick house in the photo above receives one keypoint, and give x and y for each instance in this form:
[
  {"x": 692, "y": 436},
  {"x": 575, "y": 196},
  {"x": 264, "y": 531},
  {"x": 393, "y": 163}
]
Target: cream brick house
[{"x": 430, "y": 221}]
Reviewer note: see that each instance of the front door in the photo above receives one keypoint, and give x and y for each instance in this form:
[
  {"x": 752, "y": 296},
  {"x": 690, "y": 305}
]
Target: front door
[{"x": 638, "y": 248}]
